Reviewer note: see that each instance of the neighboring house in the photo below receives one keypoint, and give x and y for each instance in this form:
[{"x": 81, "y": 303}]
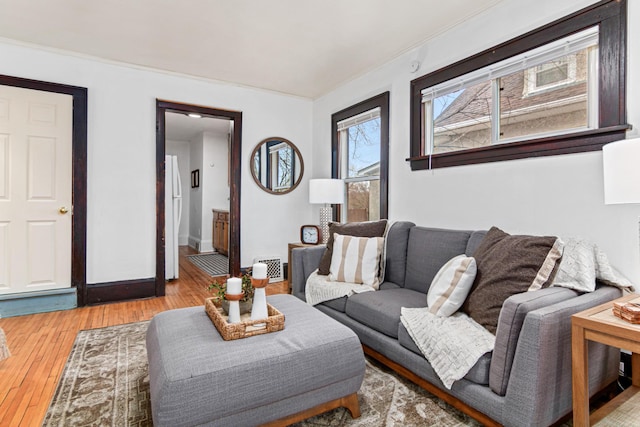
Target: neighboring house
[
  {"x": 364, "y": 195},
  {"x": 550, "y": 97}
]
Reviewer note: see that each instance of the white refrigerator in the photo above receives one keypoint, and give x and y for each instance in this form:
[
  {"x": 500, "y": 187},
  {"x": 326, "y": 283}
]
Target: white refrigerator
[{"x": 172, "y": 215}]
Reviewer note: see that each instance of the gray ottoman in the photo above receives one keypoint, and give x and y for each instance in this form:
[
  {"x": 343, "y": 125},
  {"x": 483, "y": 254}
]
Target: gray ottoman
[{"x": 313, "y": 365}]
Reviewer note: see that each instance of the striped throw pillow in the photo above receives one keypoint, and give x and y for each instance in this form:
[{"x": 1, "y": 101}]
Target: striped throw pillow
[
  {"x": 356, "y": 259},
  {"x": 451, "y": 285}
]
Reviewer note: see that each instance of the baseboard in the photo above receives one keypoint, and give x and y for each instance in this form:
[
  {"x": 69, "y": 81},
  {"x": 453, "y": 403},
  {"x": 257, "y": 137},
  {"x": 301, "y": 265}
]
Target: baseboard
[
  {"x": 100, "y": 293},
  {"x": 38, "y": 302}
]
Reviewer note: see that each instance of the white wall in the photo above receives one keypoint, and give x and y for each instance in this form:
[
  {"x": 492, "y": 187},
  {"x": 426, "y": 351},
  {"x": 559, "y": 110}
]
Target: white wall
[
  {"x": 214, "y": 179},
  {"x": 560, "y": 195},
  {"x": 121, "y": 155},
  {"x": 196, "y": 161},
  {"x": 181, "y": 149}
]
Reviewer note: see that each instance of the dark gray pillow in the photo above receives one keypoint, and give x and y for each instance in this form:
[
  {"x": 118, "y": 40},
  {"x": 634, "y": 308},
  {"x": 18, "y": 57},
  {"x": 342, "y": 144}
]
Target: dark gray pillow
[
  {"x": 509, "y": 265},
  {"x": 357, "y": 229}
]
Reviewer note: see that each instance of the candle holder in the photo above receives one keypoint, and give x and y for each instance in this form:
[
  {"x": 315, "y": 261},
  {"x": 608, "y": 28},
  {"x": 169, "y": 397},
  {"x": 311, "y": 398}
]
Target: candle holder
[
  {"x": 259, "y": 308},
  {"x": 234, "y": 307}
]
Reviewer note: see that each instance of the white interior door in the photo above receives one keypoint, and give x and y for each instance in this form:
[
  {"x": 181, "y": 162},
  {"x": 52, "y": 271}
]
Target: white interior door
[{"x": 35, "y": 190}]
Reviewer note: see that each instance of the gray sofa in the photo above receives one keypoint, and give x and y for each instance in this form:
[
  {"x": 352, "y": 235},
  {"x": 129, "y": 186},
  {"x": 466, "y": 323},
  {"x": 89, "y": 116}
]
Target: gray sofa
[{"x": 525, "y": 381}]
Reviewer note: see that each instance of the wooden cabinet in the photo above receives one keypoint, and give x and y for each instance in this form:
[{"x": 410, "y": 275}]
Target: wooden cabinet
[{"x": 221, "y": 231}]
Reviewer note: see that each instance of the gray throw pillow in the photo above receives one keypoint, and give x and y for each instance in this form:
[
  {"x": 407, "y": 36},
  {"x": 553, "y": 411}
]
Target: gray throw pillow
[
  {"x": 357, "y": 229},
  {"x": 509, "y": 265}
]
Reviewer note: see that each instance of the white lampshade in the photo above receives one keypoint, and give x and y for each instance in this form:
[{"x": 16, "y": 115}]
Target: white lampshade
[
  {"x": 621, "y": 161},
  {"x": 323, "y": 191}
]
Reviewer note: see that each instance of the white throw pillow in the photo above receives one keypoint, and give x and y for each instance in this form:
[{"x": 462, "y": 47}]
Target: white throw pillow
[
  {"x": 356, "y": 259},
  {"x": 451, "y": 285}
]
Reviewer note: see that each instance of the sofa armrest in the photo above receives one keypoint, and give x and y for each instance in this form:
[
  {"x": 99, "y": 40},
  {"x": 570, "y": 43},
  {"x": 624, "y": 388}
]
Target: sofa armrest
[
  {"x": 540, "y": 384},
  {"x": 304, "y": 261}
]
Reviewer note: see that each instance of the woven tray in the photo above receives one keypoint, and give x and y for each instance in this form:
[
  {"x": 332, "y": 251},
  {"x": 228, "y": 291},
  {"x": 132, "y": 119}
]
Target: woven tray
[{"x": 246, "y": 327}]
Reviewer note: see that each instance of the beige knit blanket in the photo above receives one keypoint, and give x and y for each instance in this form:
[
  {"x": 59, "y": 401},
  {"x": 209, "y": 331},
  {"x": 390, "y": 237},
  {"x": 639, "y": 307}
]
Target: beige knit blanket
[
  {"x": 452, "y": 345},
  {"x": 320, "y": 289},
  {"x": 582, "y": 263}
]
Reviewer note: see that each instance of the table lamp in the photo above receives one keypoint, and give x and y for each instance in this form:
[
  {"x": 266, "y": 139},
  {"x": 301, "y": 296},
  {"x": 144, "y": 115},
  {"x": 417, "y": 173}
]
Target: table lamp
[
  {"x": 621, "y": 171},
  {"x": 326, "y": 192}
]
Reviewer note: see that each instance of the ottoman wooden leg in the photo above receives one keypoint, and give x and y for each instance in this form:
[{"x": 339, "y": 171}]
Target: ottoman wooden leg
[{"x": 349, "y": 402}]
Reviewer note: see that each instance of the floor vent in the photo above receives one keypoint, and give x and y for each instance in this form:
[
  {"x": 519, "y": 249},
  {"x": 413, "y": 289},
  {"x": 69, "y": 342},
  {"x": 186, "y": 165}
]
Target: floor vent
[{"x": 274, "y": 267}]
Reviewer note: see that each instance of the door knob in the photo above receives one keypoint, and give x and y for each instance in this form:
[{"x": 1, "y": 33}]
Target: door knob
[{"x": 64, "y": 210}]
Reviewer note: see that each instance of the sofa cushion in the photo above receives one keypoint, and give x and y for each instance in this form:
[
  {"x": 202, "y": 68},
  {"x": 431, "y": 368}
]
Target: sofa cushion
[
  {"x": 428, "y": 249},
  {"x": 474, "y": 241},
  {"x": 356, "y": 259},
  {"x": 380, "y": 310},
  {"x": 514, "y": 310},
  {"x": 358, "y": 229},
  {"x": 478, "y": 374},
  {"x": 389, "y": 285},
  {"x": 451, "y": 285},
  {"x": 509, "y": 265},
  {"x": 338, "y": 304},
  {"x": 396, "y": 251}
]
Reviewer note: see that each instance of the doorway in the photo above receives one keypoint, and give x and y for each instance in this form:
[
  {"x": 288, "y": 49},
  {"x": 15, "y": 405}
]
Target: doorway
[{"x": 235, "y": 144}]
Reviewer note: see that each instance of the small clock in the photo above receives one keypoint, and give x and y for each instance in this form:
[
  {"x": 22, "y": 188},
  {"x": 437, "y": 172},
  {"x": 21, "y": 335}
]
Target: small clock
[{"x": 310, "y": 234}]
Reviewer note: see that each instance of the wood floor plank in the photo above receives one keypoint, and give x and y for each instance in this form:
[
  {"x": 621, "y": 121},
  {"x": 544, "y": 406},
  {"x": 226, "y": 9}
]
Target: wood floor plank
[{"x": 40, "y": 343}]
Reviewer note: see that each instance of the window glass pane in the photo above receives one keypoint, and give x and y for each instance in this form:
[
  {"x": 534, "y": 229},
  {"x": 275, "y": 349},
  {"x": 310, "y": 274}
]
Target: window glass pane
[
  {"x": 553, "y": 72},
  {"x": 363, "y": 201},
  {"x": 462, "y": 119},
  {"x": 282, "y": 168},
  {"x": 363, "y": 149},
  {"x": 548, "y": 98}
]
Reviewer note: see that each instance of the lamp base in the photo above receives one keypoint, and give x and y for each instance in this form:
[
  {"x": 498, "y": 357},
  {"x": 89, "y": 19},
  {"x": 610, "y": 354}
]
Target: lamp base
[{"x": 326, "y": 215}]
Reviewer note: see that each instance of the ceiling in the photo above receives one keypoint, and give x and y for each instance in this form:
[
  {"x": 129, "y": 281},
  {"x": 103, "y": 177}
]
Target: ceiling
[
  {"x": 180, "y": 127},
  {"x": 303, "y": 48}
]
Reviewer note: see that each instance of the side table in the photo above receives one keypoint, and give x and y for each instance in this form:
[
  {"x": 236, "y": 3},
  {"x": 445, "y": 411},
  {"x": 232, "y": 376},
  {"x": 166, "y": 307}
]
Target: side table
[
  {"x": 600, "y": 325},
  {"x": 292, "y": 246}
]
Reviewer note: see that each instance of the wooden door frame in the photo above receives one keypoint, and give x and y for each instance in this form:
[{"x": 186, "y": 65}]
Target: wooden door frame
[
  {"x": 162, "y": 107},
  {"x": 79, "y": 174}
]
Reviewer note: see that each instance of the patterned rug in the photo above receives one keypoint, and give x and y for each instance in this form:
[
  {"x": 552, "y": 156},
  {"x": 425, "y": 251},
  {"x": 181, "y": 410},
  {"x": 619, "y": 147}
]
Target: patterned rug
[
  {"x": 105, "y": 382},
  {"x": 212, "y": 264}
]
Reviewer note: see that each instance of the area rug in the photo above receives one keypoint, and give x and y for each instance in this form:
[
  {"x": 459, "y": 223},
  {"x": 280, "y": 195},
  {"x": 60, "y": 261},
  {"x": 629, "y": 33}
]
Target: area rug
[
  {"x": 105, "y": 383},
  {"x": 105, "y": 380},
  {"x": 212, "y": 264}
]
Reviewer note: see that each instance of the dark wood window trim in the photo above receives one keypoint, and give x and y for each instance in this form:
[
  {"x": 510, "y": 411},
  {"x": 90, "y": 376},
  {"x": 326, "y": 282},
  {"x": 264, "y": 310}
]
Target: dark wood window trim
[
  {"x": 79, "y": 174},
  {"x": 234, "y": 190},
  {"x": 380, "y": 101},
  {"x": 611, "y": 16}
]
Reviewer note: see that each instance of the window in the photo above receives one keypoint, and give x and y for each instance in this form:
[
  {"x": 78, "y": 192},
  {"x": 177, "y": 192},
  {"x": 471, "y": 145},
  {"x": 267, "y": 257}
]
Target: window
[
  {"x": 543, "y": 93},
  {"x": 558, "y": 72},
  {"x": 360, "y": 148},
  {"x": 280, "y": 166},
  {"x": 539, "y": 93}
]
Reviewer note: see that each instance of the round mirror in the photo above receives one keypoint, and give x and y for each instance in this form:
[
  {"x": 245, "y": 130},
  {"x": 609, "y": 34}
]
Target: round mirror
[{"x": 276, "y": 165}]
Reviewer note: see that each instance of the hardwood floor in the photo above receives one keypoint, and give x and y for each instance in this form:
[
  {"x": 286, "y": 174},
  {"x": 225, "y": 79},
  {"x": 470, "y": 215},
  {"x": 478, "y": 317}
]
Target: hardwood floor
[{"x": 41, "y": 343}]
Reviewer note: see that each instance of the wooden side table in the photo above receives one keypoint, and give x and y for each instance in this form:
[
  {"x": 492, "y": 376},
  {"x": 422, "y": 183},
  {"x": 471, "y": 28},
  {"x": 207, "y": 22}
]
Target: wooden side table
[
  {"x": 600, "y": 325},
  {"x": 292, "y": 246}
]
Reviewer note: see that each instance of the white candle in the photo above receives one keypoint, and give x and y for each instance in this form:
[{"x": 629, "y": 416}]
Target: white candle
[
  {"x": 234, "y": 286},
  {"x": 259, "y": 271}
]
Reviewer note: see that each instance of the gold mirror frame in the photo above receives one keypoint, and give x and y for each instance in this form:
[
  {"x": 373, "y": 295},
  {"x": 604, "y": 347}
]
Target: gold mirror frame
[{"x": 262, "y": 170}]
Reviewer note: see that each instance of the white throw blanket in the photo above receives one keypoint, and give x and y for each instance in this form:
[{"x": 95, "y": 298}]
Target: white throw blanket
[
  {"x": 582, "y": 263},
  {"x": 452, "y": 345},
  {"x": 320, "y": 289}
]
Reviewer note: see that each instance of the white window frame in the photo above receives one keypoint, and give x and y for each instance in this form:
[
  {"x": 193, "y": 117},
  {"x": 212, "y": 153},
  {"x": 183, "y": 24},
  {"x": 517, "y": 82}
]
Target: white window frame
[
  {"x": 557, "y": 49},
  {"x": 343, "y": 127},
  {"x": 274, "y": 159}
]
